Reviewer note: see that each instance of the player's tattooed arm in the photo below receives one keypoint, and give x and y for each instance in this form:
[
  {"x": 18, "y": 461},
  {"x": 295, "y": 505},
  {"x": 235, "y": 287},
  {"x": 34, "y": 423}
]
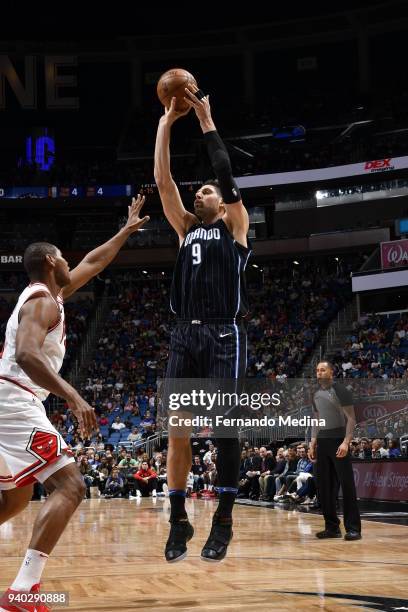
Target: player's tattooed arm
[
  {"x": 37, "y": 316},
  {"x": 179, "y": 218},
  {"x": 98, "y": 259}
]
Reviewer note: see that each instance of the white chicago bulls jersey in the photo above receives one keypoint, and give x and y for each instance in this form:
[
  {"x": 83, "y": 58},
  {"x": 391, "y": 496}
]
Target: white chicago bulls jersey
[{"x": 53, "y": 348}]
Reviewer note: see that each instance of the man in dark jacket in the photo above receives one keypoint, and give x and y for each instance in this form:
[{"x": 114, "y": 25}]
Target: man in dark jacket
[{"x": 268, "y": 464}]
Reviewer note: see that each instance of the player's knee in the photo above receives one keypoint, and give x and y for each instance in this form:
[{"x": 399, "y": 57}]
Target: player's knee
[
  {"x": 77, "y": 489},
  {"x": 70, "y": 483},
  {"x": 12, "y": 505},
  {"x": 178, "y": 442}
]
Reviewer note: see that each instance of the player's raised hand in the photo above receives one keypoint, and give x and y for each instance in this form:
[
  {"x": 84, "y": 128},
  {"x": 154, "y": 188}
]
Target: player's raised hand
[
  {"x": 171, "y": 114},
  {"x": 201, "y": 106},
  {"x": 134, "y": 222}
]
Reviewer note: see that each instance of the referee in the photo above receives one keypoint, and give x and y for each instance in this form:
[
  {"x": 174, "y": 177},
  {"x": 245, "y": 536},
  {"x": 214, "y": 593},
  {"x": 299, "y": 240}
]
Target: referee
[{"x": 334, "y": 403}]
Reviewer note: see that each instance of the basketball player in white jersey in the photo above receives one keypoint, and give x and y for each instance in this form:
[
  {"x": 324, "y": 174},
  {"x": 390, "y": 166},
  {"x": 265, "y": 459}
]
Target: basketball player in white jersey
[{"x": 30, "y": 447}]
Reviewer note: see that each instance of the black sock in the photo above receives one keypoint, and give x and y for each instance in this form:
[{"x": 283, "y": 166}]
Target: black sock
[
  {"x": 228, "y": 462},
  {"x": 177, "y": 505},
  {"x": 226, "y": 503}
]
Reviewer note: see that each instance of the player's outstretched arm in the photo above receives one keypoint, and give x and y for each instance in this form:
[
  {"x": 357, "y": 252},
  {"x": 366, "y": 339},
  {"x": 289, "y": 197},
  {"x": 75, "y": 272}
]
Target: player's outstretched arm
[
  {"x": 36, "y": 317},
  {"x": 97, "y": 260},
  {"x": 236, "y": 216},
  {"x": 179, "y": 218}
]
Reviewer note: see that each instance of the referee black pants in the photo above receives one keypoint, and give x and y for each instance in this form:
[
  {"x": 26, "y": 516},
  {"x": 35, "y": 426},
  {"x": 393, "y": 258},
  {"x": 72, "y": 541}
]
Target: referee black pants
[{"x": 331, "y": 472}]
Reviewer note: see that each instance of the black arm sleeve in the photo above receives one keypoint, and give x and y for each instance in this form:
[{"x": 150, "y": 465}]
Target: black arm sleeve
[{"x": 221, "y": 164}]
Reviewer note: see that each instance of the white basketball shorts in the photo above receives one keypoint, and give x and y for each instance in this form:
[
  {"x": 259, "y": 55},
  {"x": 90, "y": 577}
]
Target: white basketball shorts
[{"x": 30, "y": 446}]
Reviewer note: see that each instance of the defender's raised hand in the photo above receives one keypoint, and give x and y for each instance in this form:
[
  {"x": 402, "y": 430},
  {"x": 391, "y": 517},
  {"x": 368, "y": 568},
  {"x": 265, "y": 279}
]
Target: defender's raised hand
[{"x": 134, "y": 221}]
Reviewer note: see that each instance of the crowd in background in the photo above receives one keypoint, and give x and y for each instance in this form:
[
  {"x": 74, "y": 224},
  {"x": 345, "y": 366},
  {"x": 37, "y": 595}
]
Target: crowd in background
[
  {"x": 283, "y": 475},
  {"x": 377, "y": 348},
  {"x": 290, "y": 306}
]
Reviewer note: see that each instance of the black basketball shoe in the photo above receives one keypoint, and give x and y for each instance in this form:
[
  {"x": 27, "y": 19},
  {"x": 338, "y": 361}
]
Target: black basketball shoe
[
  {"x": 180, "y": 533},
  {"x": 220, "y": 536}
]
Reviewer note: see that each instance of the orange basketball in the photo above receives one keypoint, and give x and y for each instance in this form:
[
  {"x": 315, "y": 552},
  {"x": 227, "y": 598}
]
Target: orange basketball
[{"x": 173, "y": 83}]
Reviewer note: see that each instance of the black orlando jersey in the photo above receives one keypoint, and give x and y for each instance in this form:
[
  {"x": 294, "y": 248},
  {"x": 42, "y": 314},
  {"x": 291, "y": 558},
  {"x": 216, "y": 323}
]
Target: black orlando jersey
[{"x": 209, "y": 276}]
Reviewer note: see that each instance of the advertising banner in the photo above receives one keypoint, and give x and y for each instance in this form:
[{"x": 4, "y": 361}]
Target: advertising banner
[
  {"x": 386, "y": 480},
  {"x": 394, "y": 254}
]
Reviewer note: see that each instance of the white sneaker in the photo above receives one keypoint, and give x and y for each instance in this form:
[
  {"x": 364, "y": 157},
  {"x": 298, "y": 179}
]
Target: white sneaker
[
  {"x": 132, "y": 496},
  {"x": 165, "y": 490},
  {"x": 154, "y": 494},
  {"x": 138, "y": 494}
]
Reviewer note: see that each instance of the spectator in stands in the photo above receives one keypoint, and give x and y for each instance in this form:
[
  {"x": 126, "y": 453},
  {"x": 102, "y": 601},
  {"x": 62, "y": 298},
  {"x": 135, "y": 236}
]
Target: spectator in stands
[
  {"x": 307, "y": 493},
  {"x": 270, "y": 484},
  {"x": 115, "y": 484},
  {"x": 210, "y": 477},
  {"x": 87, "y": 472},
  {"x": 289, "y": 468},
  {"x": 267, "y": 465},
  {"x": 128, "y": 467},
  {"x": 127, "y": 462},
  {"x": 304, "y": 489},
  {"x": 286, "y": 479},
  {"x": 365, "y": 449},
  {"x": 249, "y": 485},
  {"x": 145, "y": 481},
  {"x": 98, "y": 442},
  {"x": 198, "y": 470},
  {"x": 135, "y": 435},
  {"x": 103, "y": 420},
  {"x": 76, "y": 442},
  {"x": 147, "y": 422},
  {"x": 394, "y": 450},
  {"x": 377, "y": 450},
  {"x": 117, "y": 425}
]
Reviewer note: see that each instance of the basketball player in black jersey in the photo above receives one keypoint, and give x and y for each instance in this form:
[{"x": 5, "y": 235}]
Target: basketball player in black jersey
[{"x": 208, "y": 297}]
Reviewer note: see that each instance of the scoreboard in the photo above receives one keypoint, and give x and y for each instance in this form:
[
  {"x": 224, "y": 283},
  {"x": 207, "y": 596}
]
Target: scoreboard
[{"x": 71, "y": 191}]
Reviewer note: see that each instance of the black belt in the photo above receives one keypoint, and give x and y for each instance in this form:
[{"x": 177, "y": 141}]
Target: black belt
[{"x": 210, "y": 321}]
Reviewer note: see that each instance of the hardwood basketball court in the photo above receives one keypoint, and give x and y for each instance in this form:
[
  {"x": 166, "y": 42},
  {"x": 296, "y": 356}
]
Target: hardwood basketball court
[{"x": 110, "y": 558}]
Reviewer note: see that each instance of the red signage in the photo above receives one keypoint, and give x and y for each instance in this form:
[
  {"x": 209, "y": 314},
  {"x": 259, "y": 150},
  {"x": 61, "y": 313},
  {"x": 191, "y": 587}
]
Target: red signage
[
  {"x": 394, "y": 254},
  {"x": 378, "y": 164},
  {"x": 386, "y": 480},
  {"x": 376, "y": 410}
]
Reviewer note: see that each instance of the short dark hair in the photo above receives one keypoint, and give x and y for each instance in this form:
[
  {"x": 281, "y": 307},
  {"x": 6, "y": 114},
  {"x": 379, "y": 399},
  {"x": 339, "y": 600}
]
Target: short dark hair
[
  {"x": 34, "y": 258},
  {"x": 329, "y": 364},
  {"x": 214, "y": 183}
]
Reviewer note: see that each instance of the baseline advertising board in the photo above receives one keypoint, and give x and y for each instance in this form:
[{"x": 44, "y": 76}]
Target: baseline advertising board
[{"x": 385, "y": 480}]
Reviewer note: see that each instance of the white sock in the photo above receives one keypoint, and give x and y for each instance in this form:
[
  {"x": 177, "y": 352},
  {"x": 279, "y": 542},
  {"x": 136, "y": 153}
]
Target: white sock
[{"x": 30, "y": 570}]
